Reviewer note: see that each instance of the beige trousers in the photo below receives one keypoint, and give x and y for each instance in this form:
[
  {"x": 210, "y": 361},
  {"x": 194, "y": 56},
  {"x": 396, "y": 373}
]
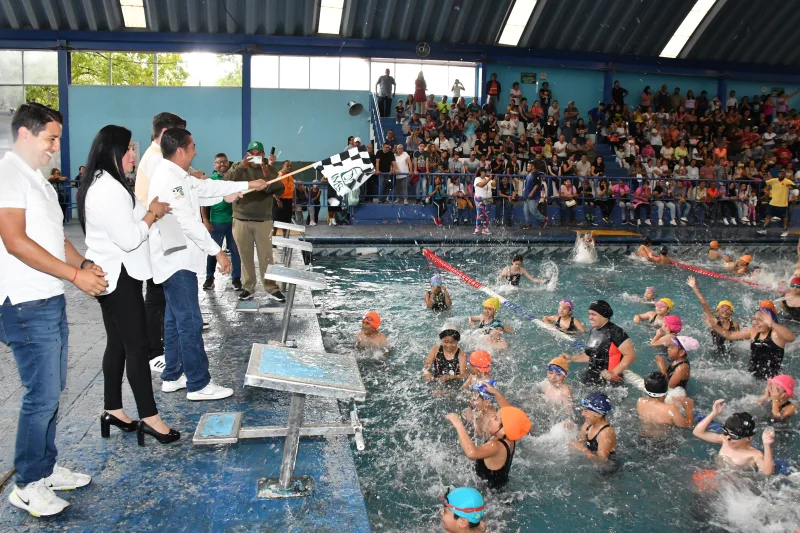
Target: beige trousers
[{"x": 249, "y": 235}]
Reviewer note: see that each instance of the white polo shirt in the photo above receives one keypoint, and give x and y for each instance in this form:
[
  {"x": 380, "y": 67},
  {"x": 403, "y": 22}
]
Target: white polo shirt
[{"x": 22, "y": 187}]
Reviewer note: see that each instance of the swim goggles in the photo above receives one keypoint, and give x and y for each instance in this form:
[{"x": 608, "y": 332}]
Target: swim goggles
[
  {"x": 557, "y": 369},
  {"x": 794, "y": 285},
  {"x": 465, "y": 510}
]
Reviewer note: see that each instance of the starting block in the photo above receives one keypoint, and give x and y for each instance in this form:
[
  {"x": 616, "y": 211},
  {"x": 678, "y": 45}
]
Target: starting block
[
  {"x": 293, "y": 278},
  {"x": 290, "y": 227},
  {"x": 289, "y": 245},
  {"x": 273, "y": 307},
  {"x": 301, "y": 373}
]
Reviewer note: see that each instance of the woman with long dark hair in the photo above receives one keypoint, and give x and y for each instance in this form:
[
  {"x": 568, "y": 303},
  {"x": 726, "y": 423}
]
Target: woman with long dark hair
[{"x": 117, "y": 227}]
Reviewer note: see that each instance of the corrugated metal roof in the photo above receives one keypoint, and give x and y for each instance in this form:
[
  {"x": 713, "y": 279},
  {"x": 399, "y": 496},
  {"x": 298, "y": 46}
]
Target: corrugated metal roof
[{"x": 742, "y": 31}]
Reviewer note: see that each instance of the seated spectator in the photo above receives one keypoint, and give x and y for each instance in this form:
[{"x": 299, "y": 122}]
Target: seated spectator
[
  {"x": 641, "y": 203},
  {"x": 583, "y": 167},
  {"x": 567, "y": 202},
  {"x": 620, "y": 191},
  {"x": 663, "y": 195}
]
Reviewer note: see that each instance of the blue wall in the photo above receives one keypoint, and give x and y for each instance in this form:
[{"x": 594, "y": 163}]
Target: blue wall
[
  {"x": 635, "y": 82},
  {"x": 749, "y": 88},
  {"x": 585, "y": 87},
  {"x": 213, "y": 115},
  {"x": 307, "y": 125}
]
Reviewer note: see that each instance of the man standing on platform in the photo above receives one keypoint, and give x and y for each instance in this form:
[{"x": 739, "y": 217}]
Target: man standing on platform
[
  {"x": 218, "y": 220},
  {"x": 252, "y": 220},
  {"x": 174, "y": 254},
  {"x": 385, "y": 87},
  {"x": 154, "y": 302},
  {"x": 35, "y": 258}
]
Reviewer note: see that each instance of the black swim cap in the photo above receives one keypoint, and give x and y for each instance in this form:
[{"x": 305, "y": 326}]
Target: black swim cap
[
  {"x": 517, "y": 257},
  {"x": 655, "y": 384},
  {"x": 602, "y": 308},
  {"x": 450, "y": 333},
  {"x": 663, "y": 250},
  {"x": 740, "y": 426}
]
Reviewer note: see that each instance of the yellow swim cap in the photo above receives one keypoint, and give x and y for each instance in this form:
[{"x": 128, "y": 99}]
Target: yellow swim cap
[
  {"x": 494, "y": 303},
  {"x": 668, "y": 302},
  {"x": 725, "y": 302}
]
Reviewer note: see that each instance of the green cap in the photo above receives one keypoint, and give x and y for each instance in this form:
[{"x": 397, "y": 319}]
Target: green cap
[{"x": 255, "y": 145}]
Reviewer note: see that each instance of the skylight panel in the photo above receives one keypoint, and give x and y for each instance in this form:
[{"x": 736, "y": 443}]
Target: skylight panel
[
  {"x": 133, "y": 13},
  {"x": 330, "y": 16},
  {"x": 687, "y": 28},
  {"x": 515, "y": 25}
]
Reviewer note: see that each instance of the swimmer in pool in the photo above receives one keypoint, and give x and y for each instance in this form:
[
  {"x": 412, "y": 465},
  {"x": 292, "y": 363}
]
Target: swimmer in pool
[
  {"x": 736, "y": 450},
  {"x": 589, "y": 239},
  {"x": 481, "y": 409},
  {"x": 480, "y": 364},
  {"x": 742, "y": 266},
  {"x": 727, "y": 262},
  {"x": 463, "y": 511},
  {"x": 723, "y": 317},
  {"x": 493, "y": 459},
  {"x": 494, "y": 336},
  {"x": 563, "y": 319},
  {"x": 679, "y": 370},
  {"x": 649, "y": 295},
  {"x": 662, "y": 258},
  {"x": 664, "y": 335},
  {"x": 608, "y": 350},
  {"x": 490, "y": 308},
  {"x": 513, "y": 273},
  {"x": 597, "y": 440},
  {"x": 369, "y": 337},
  {"x": 790, "y": 305},
  {"x": 446, "y": 361},
  {"x": 555, "y": 389},
  {"x": 653, "y": 409},
  {"x": 768, "y": 341},
  {"x": 656, "y": 318},
  {"x": 437, "y": 297},
  {"x": 644, "y": 249},
  {"x": 713, "y": 251},
  {"x": 779, "y": 394}
]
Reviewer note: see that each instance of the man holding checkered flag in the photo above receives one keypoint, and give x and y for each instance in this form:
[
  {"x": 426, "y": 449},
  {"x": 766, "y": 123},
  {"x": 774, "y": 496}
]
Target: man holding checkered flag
[{"x": 348, "y": 170}]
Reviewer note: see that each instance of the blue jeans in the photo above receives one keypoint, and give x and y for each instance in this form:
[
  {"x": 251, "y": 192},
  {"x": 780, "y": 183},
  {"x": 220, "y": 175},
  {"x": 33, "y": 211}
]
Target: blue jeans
[
  {"x": 224, "y": 231},
  {"x": 184, "y": 350},
  {"x": 531, "y": 211},
  {"x": 37, "y": 334}
]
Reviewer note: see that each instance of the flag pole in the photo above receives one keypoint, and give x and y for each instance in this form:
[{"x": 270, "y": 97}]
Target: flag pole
[{"x": 279, "y": 178}]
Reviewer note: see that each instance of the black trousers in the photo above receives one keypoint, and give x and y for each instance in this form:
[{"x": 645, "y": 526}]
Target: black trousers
[
  {"x": 127, "y": 346},
  {"x": 155, "y": 306},
  {"x": 384, "y": 105}
]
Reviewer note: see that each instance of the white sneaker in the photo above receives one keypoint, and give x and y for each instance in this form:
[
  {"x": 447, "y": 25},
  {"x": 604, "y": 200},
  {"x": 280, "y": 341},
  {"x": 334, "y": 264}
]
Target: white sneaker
[
  {"x": 673, "y": 222},
  {"x": 405, "y": 202},
  {"x": 158, "y": 364},
  {"x": 785, "y": 234},
  {"x": 762, "y": 232},
  {"x": 776, "y": 219},
  {"x": 733, "y": 221},
  {"x": 173, "y": 386},
  {"x": 38, "y": 499},
  {"x": 333, "y": 222},
  {"x": 476, "y": 231},
  {"x": 312, "y": 223},
  {"x": 745, "y": 221},
  {"x": 648, "y": 222},
  {"x": 638, "y": 222},
  {"x": 684, "y": 219},
  {"x": 65, "y": 479},
  {"x": 212, "y": 391},
  {"x": 660, "y": 222}
]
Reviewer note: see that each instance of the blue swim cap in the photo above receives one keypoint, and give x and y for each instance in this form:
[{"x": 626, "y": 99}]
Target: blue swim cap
[
  {"x": 597, "y": 402},
  {"x": 436, "y": 280},
  {"x": 465, "y": 502},
  {"x": 480, "y": 388}
]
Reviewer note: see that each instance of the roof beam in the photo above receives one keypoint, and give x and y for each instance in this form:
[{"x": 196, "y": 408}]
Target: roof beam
[
  {"x": 369, "y": 16},
  {"x": 31, "y": 14},
  {"x": 444, "y": 20},
  {"x": 620, "y": 26},
  {"x": 232, "y": 10},
  {"x": 348, "y": 18},
  {"x": 405, "y": 20},
  {"x": 52, "y": 16},
  {"x": 386, "y": 18},
  {"x": 250, "y": 18},
  {"x": 310, "y": 14},
  {"x": 496, "y": 22},
  {"x": 778, "y": 41},
  {"x": 476, "y": 28},
  {"x": 290, "y": 17},
  {"x": 550, "y": 27},
  {"x": 704, "y": 24},
  {"x": 151, "y": 14},
  {"x": 173, "y": 18},
  {"x": 643, "y": 24},
  {"x": 113, "y": 14},
  {"x": 91, "y": 18},
  {"x": 72, "y": 17},
  {"x": 194, "y": 19},
  {"x": 771, "y": 29},
  {"x": 424, "y": 20},
  {"x": 461, "y": 21},
  {"x": 213, "y": 15},
  {"x": 527, "y": 34},
  {"x": 8, "y": 10}
]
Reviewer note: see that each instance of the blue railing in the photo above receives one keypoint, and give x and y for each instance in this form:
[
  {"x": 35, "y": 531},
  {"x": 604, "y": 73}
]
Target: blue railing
[{"x": 375, "y": 116}]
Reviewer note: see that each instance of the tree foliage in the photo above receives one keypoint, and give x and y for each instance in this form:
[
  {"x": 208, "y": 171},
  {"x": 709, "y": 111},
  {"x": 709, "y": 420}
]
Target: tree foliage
[
  {"x": 126, "y": 68},
  {"x": 232, "y": 65},
  {"x": 42, "y": 94}
]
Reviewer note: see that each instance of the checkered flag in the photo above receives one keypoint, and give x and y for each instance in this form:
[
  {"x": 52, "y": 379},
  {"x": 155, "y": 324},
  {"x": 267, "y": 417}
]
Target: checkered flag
[{"x": 348, "y": 170}]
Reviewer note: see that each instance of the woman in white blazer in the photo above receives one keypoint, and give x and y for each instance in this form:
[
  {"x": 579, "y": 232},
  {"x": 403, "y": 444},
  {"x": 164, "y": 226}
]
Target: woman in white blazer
[{"x": 117, "y": 225}]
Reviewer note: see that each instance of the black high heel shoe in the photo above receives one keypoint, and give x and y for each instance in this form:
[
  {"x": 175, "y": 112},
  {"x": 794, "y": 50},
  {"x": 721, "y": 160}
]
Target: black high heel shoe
[
  {"x": 145, "y": 429},
  {"x": 108, "y": 420}
]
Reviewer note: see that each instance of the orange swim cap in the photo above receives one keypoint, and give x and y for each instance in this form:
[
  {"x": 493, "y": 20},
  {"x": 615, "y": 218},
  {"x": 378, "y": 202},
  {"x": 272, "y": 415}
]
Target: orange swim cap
[
  {"x": 560, "y": 362},
  {"x": 768, "y": 304},
  {"x": 746, "y": 258},
  {"x": 481, "y": 360},
  {"x": 516, "y": 423},
  {"x": 373, "y": 319},
  {"x": 714, "y": 245}
]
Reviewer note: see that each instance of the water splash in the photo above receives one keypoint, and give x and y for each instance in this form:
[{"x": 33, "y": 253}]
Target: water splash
[{"x": 584, "y": 250}]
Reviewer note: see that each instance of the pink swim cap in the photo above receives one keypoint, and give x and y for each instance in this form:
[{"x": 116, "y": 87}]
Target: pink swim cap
[
  {"x": 674, "y": 323},
  {"x": 785, "y": 382}
]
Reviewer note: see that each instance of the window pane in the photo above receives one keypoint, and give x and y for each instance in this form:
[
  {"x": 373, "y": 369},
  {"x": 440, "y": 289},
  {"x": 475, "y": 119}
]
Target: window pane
[
  {"x": 133, "y": 68},
  {"x": 294, "y": 72},
  {"x": 41, "y": 68},
  {"x": 42, "y": 94},
  {"x": 324, "y": 73},
  {"x": 264, "y": 72},
  {"x": 354, "y": 74},
  {"x": 171, "y": 70},
  {"x": 10, "y": 67},
  {"x": 229, "y": 70},
  {"x": 466, "y": 75},
  {"x": 11, "y": 97},
  {"x": 406, "y": 74},
  {"x": 436, "y": 77},
  {"x": 91, "y": 68}
]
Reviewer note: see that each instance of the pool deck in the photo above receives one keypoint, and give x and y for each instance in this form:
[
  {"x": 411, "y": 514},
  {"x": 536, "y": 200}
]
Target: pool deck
[{"x": 182, "y": 487}]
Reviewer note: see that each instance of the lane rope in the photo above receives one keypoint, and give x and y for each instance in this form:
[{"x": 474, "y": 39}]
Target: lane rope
[{"x": 717, "y": 275}]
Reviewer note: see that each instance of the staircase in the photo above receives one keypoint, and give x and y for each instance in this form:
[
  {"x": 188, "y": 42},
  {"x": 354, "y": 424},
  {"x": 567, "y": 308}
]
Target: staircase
[
  {"x": 389, "y": 123},
  {"x": 613, "y": 170}
]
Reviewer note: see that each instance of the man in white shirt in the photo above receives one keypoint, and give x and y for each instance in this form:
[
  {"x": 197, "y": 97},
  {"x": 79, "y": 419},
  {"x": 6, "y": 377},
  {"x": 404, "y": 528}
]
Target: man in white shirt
[
  {"x": 34, "y": 259},
  {"x": 154, "y": 302},
  {"x": 583, "y": 167},
  {"x": 560, "y": 148},
  {"x": 174, "y": 261},
  {"x": 403, "y": 162}
]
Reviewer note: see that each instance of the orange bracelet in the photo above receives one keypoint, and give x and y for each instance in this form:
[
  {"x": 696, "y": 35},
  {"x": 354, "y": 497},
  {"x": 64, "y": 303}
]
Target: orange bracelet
[{"x": 74, "y": 277}]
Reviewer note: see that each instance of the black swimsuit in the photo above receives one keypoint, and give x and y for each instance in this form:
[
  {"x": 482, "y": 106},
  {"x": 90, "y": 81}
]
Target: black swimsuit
[
  {"x": 774, "y": 420},
  {"x": 721, "y": 342},
  {"x": 591, "y": 444},
  {"x": 513, "y": 279},
  {"x": 569, "y": 329},
  {"x": 444, "y": 367},
  {"x": 671, "y": 370},
  {"x": 793, "y": 312},
  {"x": 438, "y": 301},
  {"x": 766, "y": 357},
  {"x": 496, "y": 479},
  {"x": 600, "y": 346}
]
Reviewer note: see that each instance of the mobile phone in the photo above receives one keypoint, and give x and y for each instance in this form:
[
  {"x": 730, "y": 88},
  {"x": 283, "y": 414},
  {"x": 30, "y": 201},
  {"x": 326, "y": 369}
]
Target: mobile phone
[
  {"x": 256, "y": 159},
  {"x": 272, "y": 152}
]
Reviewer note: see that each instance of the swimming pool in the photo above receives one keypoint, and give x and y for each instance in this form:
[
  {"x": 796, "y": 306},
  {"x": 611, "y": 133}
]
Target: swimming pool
[{"x": 413, "y": 454}]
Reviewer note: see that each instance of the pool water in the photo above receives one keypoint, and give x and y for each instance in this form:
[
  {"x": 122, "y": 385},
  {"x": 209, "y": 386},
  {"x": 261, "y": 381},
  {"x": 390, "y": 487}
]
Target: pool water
[{"x": 413, "y": 454}]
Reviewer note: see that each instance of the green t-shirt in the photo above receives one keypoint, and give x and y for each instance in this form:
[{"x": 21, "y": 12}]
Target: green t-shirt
[{"x": 221, "y": 213}]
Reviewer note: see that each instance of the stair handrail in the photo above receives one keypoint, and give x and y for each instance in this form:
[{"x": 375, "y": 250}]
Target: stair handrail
[{"x": 375, "y": 116}]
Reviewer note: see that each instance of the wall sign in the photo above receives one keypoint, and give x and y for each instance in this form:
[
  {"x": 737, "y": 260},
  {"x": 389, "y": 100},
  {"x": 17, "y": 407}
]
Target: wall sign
[{"x": 527, "y": 77}]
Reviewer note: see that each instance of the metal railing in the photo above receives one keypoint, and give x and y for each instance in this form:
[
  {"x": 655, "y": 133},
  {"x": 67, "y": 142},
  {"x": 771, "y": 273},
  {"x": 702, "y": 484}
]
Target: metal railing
[{"x": 375, "y": 116}]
